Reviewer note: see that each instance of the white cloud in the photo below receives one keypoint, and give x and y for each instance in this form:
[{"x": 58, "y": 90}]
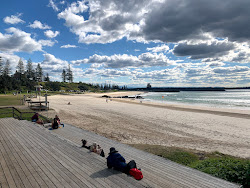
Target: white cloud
[
  {"x": 18, "y": 41},
  {"x": 146, "y": 21},
  {"x": 108, "y": 21},
  {"x": 50, "y": 59},
  {"x": 231, "y": 70},
  {"x": 122, "y": 61},
  {"x": 51, "y": 34},
  {"x": 108, "y": 73},
  {"x": 162, "y": 48},
  {"x": 70, "y": 15},
  {"x": 69, "y": 46},
  {"x": 37, "y": 24},
  {"x": 54, "y": 67},
  {"x": 46, "y": 42},
  {"x": 96, "y": 65},
  {"x": 13, "y": 19},
  {"x": 53, "y": 5}
]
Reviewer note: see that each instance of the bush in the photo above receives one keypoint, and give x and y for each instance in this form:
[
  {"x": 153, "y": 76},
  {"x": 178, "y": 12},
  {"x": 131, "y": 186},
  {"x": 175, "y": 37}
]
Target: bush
[{"x": 231, "y": 169}]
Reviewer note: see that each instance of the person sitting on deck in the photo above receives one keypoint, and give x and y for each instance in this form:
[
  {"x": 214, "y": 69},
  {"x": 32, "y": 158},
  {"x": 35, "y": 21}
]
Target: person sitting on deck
[
  {"x": 84, "y": 143},
  {"x": 97, "y": 149},
  {"x": 56, "y": 122},
  {"x": 117, "y": 161},
  {"x": 35, "y": 118},
  {"x": 93, "y": 148}
]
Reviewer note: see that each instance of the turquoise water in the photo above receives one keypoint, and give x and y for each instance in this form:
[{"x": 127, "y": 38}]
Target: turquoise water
[{"x": 239, "y": 99}]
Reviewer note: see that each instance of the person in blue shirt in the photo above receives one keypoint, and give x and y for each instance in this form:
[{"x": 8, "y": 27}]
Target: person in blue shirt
[{"x": 116, "y": 161}]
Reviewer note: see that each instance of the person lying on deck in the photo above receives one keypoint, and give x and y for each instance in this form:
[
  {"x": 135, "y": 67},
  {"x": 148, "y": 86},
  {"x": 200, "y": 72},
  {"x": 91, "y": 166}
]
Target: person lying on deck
[
  {"x": 116, "y": 160},
  {"x": 35, "y": 118},
  {"x": 93, "y": 148}
]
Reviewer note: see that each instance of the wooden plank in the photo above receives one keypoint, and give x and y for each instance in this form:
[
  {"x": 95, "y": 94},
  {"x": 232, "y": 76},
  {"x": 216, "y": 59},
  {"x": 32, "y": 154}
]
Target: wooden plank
[
  {"x": 158, "y": 179},
  {"x": 102, "y": 162},
  {"x": 7, "y": 170},
  {"x": 168, "y": 183},
  {"x": 3, "y": 180},
  {"x": 183, "y": 175},
  {"x": 59, "y": 152},
  {"x": 20, "y": 177},
  {"x": 47, "y": 160},
  {"x": 57, "y": 146},
  {"x": 90, "y": 169},
  {"x": 30, "y": 169},
  {"x": 55, "y": 158},
  {"x": 20, "y": 161},
  {"x": 42, "y": 166}
]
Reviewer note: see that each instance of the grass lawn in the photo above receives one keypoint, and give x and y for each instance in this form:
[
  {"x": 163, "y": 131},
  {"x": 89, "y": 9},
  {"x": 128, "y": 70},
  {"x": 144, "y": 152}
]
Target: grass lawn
[{"x": 10, "y": 100}]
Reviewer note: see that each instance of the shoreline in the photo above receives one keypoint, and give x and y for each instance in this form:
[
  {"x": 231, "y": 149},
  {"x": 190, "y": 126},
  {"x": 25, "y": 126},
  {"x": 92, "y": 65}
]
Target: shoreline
[
  {"x": 132, "y": 122},
  {"x": 192, "y": 108}
]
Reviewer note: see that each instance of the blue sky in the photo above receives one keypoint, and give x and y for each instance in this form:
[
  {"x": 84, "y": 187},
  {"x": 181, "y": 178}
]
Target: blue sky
[{"x": 168, "y": 43}]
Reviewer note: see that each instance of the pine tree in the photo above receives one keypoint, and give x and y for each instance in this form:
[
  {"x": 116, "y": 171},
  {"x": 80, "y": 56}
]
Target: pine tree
[
  {"x": 30, "y": 72},
  {"x": 39, "y": 73},
  {"x": 20, "y": 66},
  {"x": 1, "y": 65},
  {"x": 64, "y": 76},
  {"x": 47, "y": 77},
  {"x": 6, "y": 70},
  {"x": 69, "y": 75}
]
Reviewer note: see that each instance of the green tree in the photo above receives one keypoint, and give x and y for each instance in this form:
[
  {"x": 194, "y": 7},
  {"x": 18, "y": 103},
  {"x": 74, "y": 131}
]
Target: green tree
[
  {"x": 6, "y": 70},
  {"x": 47, "y": 77},
  {"x": 1, "y": 65},
  {"x": 54, "y": 86},
  {"x": 20, "y": 66},
  {"x": 39, "y": 73},
  {"x": 64, "y": 75},
  {"x": 30, "y": 71},
  {"x": 70, "y": 75},
  {"x": 6, "y": 81}
]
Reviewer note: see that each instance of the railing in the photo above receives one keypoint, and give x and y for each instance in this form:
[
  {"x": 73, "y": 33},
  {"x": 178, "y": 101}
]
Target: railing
[{"x": 15, "y": 113}]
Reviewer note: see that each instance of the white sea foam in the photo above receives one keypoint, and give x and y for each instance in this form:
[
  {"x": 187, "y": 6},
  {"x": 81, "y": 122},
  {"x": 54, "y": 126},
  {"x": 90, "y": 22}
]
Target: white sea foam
[{"x": 231, "y": 98}]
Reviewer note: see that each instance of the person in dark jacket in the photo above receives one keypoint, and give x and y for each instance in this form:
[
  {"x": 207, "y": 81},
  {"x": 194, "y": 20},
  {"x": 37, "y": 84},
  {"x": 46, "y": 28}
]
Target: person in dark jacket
[
  {"x": 35, "y": 118},
  {"x": 116, "y": 161}
]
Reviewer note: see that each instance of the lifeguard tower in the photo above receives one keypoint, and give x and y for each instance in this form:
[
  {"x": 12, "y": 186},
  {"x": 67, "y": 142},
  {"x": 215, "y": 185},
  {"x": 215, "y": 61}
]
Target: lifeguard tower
[{"x": 39, "y": 104}]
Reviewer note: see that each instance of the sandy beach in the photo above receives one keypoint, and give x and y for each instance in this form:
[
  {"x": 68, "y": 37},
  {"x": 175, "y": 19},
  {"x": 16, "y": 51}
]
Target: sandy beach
[{"x": 132, "y": 122}]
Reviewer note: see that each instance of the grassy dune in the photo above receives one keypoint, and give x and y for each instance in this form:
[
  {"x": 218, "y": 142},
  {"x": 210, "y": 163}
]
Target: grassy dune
[{"x": 230, "y": 168}]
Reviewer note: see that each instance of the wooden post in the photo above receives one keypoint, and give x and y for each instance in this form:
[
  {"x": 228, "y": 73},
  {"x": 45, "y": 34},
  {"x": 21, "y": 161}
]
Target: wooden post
[{"x": 13, "y": 112}]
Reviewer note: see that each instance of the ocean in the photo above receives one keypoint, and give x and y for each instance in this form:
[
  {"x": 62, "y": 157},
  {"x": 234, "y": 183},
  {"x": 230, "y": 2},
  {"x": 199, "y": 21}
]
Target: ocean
[{"x": 237, "y": 99}]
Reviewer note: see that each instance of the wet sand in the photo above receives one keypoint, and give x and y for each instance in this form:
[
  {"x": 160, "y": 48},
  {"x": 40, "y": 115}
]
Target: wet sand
[{"x": 132, "y": 122}]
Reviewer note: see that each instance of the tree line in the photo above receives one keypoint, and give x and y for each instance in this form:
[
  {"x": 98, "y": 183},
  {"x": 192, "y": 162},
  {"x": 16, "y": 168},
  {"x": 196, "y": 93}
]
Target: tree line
[{"x": 25, "y": 78}]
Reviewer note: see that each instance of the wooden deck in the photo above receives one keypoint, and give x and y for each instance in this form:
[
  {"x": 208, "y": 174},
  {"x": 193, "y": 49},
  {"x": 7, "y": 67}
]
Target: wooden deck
[{"x": 33, "y": 156}]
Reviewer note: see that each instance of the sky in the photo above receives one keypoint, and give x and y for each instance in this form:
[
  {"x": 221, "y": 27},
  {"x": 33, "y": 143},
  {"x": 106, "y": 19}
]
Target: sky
[{"x": 167, "y": 43}]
